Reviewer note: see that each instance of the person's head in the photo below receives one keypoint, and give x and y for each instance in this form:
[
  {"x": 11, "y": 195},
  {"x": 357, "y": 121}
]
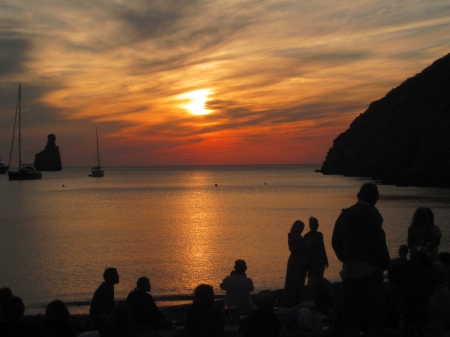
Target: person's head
[
  {"x": 369, "y": 192},
  {"x": 430, "y": 215},
  {"x": 143, "y": 284},
  {"x": 297, "y": 227},
  {"x": 313, "y": 224},
  {"x": 265, "y": 300},
  {"x": 240, "y": 266},
  {"x": 420, "y": 217},
  {"x": 5, "y": 294},
  {"x": 403, "y": 251},
  {"x": 111, "y": 275},
  {"x": 57, "y": 311},
  {"x": 204, "y": 293},
  {"x": 15, "y": 308}
]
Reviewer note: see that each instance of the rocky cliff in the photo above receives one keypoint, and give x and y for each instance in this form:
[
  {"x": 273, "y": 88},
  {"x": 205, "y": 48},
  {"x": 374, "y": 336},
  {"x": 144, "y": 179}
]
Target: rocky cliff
[
  {"x": 49, "y": 159},
  {"x": 404, "y": 138}
]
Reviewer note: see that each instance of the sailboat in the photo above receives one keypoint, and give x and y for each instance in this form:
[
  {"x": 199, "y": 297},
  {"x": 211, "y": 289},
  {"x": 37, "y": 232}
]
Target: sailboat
[
  {"x": 97, "y": 171},
  {"x": 3, "y": 167},
  {"x": 25, "y": 171}
]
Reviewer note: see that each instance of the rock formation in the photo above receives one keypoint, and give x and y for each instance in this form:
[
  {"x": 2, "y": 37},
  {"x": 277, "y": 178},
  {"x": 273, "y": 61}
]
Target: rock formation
[
  {"x": 404, "y": 138},
  {"x": 49, "y": 159}
]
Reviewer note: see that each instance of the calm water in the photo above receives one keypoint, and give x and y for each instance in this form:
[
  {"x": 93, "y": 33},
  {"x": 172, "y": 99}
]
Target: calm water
[{"x": 175, "y": 226}]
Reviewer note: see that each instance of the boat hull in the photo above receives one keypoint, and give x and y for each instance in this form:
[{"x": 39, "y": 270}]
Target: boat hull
[
  {"x": 96, "y": 175},
  {"x": 97, "y": 172},
  {"x": 25, "y": 174},
  {"x": 14, "y": 175}
]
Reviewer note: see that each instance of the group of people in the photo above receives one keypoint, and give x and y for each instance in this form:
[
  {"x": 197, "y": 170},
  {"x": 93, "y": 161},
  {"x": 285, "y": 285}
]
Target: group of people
[
  {"x": 204, "y": 319},
  {"x": 308, "y": 259},
  {"x": 12, "y": 324},
  {"x": 415, "y": 300}
]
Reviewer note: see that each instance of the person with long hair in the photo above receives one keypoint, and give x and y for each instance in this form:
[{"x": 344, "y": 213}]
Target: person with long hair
[
  {"x": 57, "y": 320},
  {"x": 296, "y": 266},
  {"x": 203, "y": 318},
  {"x": 420, "y": 230}
]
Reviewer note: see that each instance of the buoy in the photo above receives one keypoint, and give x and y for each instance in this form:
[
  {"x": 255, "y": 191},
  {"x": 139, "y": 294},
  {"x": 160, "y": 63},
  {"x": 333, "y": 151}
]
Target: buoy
[{"x": 216, "y": 185}]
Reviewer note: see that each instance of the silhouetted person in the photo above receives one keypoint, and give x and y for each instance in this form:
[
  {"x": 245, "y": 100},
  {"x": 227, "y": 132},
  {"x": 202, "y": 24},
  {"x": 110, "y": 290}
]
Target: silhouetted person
[
  {"x": 120, "y": 322},
  {"x": 444, "y": 259},
  {"x": 437, "y": 234},
  {"x": 203, "y": 318},
  {"x": 238, "y": 287},
  {"x": 103, "y": 299},
  {"x": 359, "y": 242},
  {"x": 57, "y": 320},
  {"x": 397, "y": 264},
  {"x": 393, "y": 287},
  {"x": 143, "y": 308},
  {"x": 416, "y": 287},
  {"x": 5, "y": 295},
  {"x": 262, "y": 322},
  {"x": 317, "y": 255},
  {"x": 15, "y": 326},
  {"x": 439, "y": 304},
  {"x": 420, "y": 230},
  {"x": 296, "y": 266}
]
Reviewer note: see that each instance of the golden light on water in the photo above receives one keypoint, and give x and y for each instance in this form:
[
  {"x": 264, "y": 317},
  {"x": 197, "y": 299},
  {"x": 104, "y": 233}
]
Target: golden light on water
[{"x": 197, "y": 104}]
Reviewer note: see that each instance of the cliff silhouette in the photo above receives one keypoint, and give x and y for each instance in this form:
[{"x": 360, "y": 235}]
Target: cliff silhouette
[
  {"x": 49, "y": 159},
  {"x": 403, "y": 138}
]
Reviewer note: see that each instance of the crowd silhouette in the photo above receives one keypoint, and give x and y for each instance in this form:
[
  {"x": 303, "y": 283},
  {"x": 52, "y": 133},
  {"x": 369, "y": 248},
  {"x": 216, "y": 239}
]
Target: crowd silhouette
[{"x": 407, "y": 295}]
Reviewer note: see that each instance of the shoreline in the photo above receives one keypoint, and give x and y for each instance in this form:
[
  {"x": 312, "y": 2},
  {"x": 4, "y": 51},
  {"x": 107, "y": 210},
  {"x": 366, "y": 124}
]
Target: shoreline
[{"x": 175, "y": 313}]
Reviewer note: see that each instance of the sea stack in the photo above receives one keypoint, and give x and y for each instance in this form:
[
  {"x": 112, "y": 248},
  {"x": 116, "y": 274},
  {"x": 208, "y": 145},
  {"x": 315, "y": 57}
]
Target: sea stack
[
  {"x": 403, "y": 138},
  {"x": 49, "y": 159}
]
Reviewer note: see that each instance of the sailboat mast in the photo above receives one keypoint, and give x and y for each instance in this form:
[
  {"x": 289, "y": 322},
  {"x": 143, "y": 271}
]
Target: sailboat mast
[
  {"x": 98, "y": 152},
  {"x": 20, "y": 147}
]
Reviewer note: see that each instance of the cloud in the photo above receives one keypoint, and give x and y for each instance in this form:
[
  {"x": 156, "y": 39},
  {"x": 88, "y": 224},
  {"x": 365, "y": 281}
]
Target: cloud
[
  {"x": 281, "y": 73},
  {"x": 14, "y": 54}
]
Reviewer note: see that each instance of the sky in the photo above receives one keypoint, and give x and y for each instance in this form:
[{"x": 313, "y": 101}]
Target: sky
[{"x": 204, "y": 82}]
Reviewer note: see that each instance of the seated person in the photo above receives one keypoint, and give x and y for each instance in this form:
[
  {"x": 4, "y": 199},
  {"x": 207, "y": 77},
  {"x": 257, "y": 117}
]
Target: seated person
[
  {"x": 57, "y": 320},
  {"x": 439, "y": 304},
  {"x": 203, "y": 318},
  {"x": 262, "y": 322},
  {"x": 143, "y": 307},
  {"x": 5, "y": 294},
  {"x": 15, "y": 326},
  {"x": 103, "y": 299},
  {"x": 120, "y": 323},
  {"x": 238, "y": 287}
]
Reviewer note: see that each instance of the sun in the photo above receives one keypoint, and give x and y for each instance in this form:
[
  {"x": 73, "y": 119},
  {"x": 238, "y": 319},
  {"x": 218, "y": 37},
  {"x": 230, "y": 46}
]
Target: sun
[{"x": 197, "y": 104}]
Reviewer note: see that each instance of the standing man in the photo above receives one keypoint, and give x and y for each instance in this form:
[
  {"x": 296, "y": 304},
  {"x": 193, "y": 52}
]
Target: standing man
[
  {"x": 238, "y": 287},
  {"x": 103, "y": 299},
  {"x": 359, "y": 242}
]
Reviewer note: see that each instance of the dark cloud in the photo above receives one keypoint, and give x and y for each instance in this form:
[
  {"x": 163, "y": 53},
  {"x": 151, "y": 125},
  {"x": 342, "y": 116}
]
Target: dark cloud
[
  {"x": 323, "y": 55},
  {"x": 14, "y": 53}
]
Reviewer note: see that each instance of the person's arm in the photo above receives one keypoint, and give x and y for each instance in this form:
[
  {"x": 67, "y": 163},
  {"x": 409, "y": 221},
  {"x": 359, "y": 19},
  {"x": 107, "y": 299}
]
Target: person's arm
[
  {"x": 324, "y": 251},
  {"x": 250, "y": 285},
  {"x": 336, "y": 240},
  {"x": 223, "y": 285},
  {"x": 379, "y": 239}
]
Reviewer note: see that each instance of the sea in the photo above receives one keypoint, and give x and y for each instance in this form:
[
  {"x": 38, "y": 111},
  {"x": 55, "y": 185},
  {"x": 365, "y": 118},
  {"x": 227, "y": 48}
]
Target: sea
[{"x": 180, "y": 226}]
